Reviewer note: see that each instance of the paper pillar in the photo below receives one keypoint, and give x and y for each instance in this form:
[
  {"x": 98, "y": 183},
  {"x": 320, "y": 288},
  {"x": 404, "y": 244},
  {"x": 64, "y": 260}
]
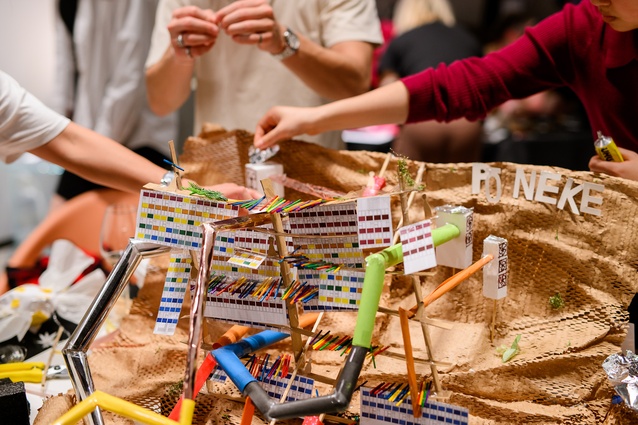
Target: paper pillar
[
  {"x": 255, "y": 173},
  {"x": 495, "y": 272},
  {"x": 456, "y": 253}
]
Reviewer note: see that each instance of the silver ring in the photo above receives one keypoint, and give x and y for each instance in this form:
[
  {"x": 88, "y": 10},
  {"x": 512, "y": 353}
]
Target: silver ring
[{"x": 180, "y": 40}]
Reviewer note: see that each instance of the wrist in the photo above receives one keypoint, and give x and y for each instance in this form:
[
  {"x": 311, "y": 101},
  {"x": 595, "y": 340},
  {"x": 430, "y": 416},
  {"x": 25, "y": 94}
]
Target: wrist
[{"x": 290, "y": 42}]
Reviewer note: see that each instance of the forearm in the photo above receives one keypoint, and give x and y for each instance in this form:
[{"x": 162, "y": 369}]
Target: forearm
[
  {"x": 385, "y": 105},
  {"x": 168, "y": 83},
  {"x": 99, "y": 159},
  {"x": 336, "y": 73}
]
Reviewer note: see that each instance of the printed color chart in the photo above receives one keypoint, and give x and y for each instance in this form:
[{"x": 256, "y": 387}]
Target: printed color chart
[
  {"x": 377, "y": 410},
  {"x": 417, "y": 246},
  {"x": 177, "y": 277},
  {"x": 339, "y": 220},
  {"x": 375, "y": 222},
  {"x": 174, "y": 220}
]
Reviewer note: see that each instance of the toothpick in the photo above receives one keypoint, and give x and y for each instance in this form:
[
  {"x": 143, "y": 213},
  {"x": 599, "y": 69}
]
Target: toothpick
[
  {"x": 493, "y": 323},
  {"x": 417, "y": 181},
  {"x": 178, "y": 177},
  {"x": 54, "y": 347},
  {"x": 384, "y": 167}
]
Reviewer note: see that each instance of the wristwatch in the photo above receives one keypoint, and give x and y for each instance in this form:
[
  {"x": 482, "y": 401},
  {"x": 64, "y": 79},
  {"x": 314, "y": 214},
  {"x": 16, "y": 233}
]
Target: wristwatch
[
  {"x": 291, "y": 45},
  {"x": 167, "y": 178}
]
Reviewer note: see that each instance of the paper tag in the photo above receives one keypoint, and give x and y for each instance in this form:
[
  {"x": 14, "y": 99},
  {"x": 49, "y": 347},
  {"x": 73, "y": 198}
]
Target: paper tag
[{"x": 417, "y": 246}]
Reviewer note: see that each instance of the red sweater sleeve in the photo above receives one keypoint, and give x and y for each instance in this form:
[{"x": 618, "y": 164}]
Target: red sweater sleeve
[{"x": 470, "y": 88}]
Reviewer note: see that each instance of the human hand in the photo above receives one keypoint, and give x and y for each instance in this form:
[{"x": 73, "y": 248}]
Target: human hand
[
  {"x": 252, "y": 22},
  {"x": 235, "y": 191},
  {"x": 627, "y": 169},
  {"x": 193, "y": 32},
  {"x": 281, "y": 123}
]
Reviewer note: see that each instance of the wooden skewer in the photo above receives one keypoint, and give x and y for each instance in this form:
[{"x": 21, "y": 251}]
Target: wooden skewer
[
  {"x": 54, "y": 347},
  {"x": 452, "y": 282},
  {"x": 384, "y": 167},
  {"x": 417, "y": 180},
  {"x": 409, "y": 362}
]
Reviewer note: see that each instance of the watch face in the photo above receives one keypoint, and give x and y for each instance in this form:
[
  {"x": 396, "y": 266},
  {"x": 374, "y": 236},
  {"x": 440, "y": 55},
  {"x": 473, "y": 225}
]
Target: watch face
[{"x": 291, "y": 40}]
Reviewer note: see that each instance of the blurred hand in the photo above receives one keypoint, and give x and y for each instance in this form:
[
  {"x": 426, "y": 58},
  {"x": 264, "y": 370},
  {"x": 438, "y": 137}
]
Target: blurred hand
[
  {"x": 235, "y": 191},
  {"x": 198, "y": 28},
  {"x": 627, "y": 169},
  {"x": 281, "y": 123},
  {"x": 252, "y": 22}
]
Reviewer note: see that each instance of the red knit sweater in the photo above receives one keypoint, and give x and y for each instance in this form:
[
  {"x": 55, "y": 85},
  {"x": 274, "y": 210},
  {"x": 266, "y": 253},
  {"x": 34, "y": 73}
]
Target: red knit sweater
[{"x": 573, "y": 48}]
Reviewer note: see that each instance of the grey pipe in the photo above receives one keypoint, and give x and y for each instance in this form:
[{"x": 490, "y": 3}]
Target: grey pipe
[{"x": 338, "y": 401}]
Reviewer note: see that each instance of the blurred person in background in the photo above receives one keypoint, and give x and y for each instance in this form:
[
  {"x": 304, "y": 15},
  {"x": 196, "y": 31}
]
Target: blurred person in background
[
  {"x": 247, "y": 54},
  {"x": 428, "y": 35},
  {"x": 101, "y": 51}
]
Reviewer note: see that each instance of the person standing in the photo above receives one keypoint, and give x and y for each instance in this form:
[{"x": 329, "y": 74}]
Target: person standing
[
  {"x": 101, "y": 51},
  {"x": 247, "y": 54}
]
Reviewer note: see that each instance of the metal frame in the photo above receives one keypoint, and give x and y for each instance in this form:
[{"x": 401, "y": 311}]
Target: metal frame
[{"x": 74, "y": 351}]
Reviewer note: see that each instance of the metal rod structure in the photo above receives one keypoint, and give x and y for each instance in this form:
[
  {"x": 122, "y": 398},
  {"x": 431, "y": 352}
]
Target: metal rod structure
[
  {"x": 74, "y": 352},
  {"x": 197, "y": 310}
]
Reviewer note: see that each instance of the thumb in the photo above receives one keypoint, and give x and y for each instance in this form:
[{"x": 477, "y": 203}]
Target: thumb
[{"x": 264, "y": 140}]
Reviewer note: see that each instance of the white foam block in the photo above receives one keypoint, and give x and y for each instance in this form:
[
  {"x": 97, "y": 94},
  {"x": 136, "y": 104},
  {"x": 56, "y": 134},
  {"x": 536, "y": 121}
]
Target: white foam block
[
  {"x": 456, "y": 253},
  {"x": 255, "y": 173},
  {"x": 495, "y": 274}
]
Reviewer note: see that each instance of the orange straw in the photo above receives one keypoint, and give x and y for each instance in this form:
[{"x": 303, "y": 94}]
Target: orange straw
[
  {"x": 451, "y": 283},
  {"x": 247, "y": 414},
  {"x": 409, "y": 362}
]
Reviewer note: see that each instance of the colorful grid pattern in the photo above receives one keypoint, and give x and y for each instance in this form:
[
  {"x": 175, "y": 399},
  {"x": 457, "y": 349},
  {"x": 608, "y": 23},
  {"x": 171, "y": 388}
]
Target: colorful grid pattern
[
  {"x": 177, "y": 277},
  {"x": 174, "y": 220},
  {"x": 495, "y": 273},
  {"x": 218, "y": 375},
  {"x": 301, "y": 387},
  {"x": 251, "y": 259},
  {"x": 341, "y": 289},
  {"x": 327, "y": 220},
  {"x": 376, "y": 410},
  {"x": 248, "y": 311},
  {"x": 375, "y": 222},
  {"x": 313, "y": 277},
  {"x": 418, "y": 248},
  {"x": 226, "y": 244},
  {"x": 275, "y": 386}
]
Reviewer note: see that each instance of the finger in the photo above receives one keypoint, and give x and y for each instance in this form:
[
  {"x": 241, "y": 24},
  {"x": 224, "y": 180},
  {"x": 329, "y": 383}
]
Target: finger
[
  {"x": 250, "y": 27},
  {"x": 607, "y": 167},
  {"x": 194, "y": 39},
  {"x": 239, "y": 7},
  {"x": 255, "y": 38},
  {"x": 268, "y": 139},
  {"x": 192, "y": 25},
  {"x": 253, "y": 194},
  {"x": 194, "y": 12}
]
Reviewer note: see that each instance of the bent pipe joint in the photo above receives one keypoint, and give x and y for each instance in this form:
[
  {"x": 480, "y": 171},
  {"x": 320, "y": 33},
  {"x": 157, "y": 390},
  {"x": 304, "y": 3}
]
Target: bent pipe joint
[{"x": 338, "y": 401}]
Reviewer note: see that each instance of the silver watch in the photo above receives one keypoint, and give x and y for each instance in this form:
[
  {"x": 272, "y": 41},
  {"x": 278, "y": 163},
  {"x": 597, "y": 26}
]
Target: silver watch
[
  {"x": 167, "y": 178},
  {"x": 291, "y": 45}
]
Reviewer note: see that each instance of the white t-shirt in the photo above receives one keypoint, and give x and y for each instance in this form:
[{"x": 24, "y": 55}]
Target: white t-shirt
[
  {"x": 237, "y": 84},
  {"x": 25, "y": 122}
]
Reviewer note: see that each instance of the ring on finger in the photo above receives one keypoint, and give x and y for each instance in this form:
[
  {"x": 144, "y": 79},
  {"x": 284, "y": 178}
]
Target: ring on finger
[{"x": 180, "y": 40}]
